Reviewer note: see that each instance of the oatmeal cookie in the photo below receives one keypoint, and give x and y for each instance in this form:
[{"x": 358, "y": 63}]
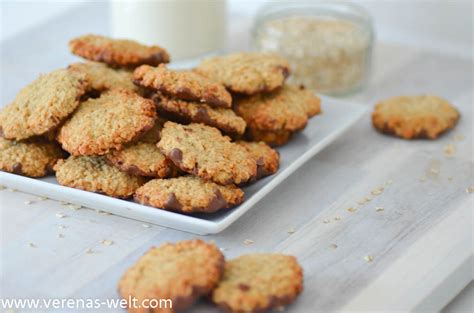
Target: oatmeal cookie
[
  {"x": 185, "y": 85},
  {"x": 268, "y": 159},
  {"x": 224, "y": 119},
  {"x": 99, "y": 125},
  {"x": 188, "y": 194},
  {"x": 247, "y": 72},
  {"x": 259, "y": 282},
  {"x": 272, "y": 138},
  {"x": 181, "y": 272},
  {"x": 33, "y": 158},
  {"x": 101, "y": 77},
  {"x": 414, "y": 116},
  {"x": 42, "y": 105},
  {"x": 94, "y": 174},
  {"x": 203, "y": 151},
  {"x": 117, "y": 52}
]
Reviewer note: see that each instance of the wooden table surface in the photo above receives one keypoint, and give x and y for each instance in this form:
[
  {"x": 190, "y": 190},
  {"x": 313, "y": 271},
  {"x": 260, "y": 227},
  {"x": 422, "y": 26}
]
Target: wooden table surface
[{"x": 419, "y": 242}]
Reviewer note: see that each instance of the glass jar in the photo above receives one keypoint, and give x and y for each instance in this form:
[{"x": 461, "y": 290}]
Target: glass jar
[{"x": 328, "y": 44}]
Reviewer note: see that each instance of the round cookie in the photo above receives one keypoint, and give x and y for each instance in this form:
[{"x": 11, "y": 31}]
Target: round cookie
[
  {"x": 188, "y": 194},
  {"x": 247, "y": 72},
  {"x": 259, "y": 282},
  {"x": 268, "y": 159},
  {"x": 94, "y": 174},
  {"x": 185, "y": 85},
  {"x": 29, "y": 158},
  {"x": 181, "y": 272},
  {"x": 99, "y": 125},
  {"x": 101, "y": 77},
  {"x": 42, "y": 105},
  {"x": 224, "y": 119},
  {"x": 203, "y": 151},
  {"x": 142, "y": 158},
  {"x": 273, "y": 138},
  {"x": 414, "y": 116},
  {"x": 117, "y": 52}
]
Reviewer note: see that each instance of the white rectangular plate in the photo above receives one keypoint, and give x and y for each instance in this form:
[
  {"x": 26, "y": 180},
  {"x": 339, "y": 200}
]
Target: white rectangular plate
[{"x": 336, "y": 118}]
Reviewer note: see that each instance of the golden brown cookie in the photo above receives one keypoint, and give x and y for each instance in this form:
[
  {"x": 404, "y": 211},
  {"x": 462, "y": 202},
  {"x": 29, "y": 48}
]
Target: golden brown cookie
[
  {"x": 247, "y": 72},
  {"x": 99, "y": 125},
  {"x": 117, "y": 52},
  {"x": 275, "y": 116},
  {"x": 185, "y": 85},
  {"x": 188, "y": 194},
  {"x": 42, "y": 105},
  {"x": 259, "y": 282},
  {"x": 33, "y": 158},
  {"x": 101, "y": 77},
  {"x": 224, "y": 119},
  {"x": 181, "y": 272},
  {"x": 268, "y": 159},
  {"x": 414, "y": 116},
  {"x": 94, "y": 174},
  {"x": 203, "y": 151}
]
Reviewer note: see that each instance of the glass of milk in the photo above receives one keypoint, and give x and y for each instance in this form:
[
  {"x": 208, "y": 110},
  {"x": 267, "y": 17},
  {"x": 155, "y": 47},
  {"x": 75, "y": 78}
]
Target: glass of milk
[{"x": 186, "y": 28}]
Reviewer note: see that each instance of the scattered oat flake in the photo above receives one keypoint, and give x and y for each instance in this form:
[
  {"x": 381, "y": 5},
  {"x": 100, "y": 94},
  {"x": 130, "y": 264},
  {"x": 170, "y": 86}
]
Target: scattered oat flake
[
  {"x": 60, "y": 235},
  {"x": 379, "y": 209},
  {"x": 146, "y": 226},
  {"x": 248, "y": 241},
  {"x": 334, "y": 246},
  {"x": 12, "y": 190},
  {"x": 88, "y": 251},
  {"x": 449, "y": 150},
  {"x": 362, "y": 202},
  {"x": 103, "y": 212},
  {"x": 368, "y": 258},
  {"x": 74, "y": 207},
  {"x": 32, "y": 245},
  {"x": 422, "y": 179},
  {"x": 470, "y": 189},
  {"x": 42, "y": 198},
  {"x": 377, "y": 191},
  {"x": 292, "y": 230},
  {"x": 60, "y": 215},
  {"x": 64, "y": 203},
  {"x": 458, "y": 137},
  {"x": 351, "y": 209},
  {"x": 107, "y": 242},
  {"x": 450, "y": 178},
  {"x": 337, "y": 218},
  {"x": 326, "y": 221},
  {"x": 28, "y": 202}
]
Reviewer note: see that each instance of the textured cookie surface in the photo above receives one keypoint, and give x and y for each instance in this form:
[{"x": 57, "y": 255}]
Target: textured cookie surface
[
  {"x": 203, "y": 151},
  {"x": 414, "y": 116},
  {"x": 101, "y": 77},
  {"x": 247, "y": 72},
  {"x": 186, "y": 85},
  {"x": 268, "y": 159},
  {"x": 108, "y": 122},
  {"x": 273, "y": 138},
  {"x": 258, "y": 282},
  {"x": 224, "y": 119},
  {"x": 188, "y": 194},
  {"x": 94, "y": 174},
  {"x": 181, "y": 272},
  {"x": 117, "y": 52},
  {"x": 29, "y": 158},
  {"x": 42, "y": 105},
  {"x": 284, "y": 109}
]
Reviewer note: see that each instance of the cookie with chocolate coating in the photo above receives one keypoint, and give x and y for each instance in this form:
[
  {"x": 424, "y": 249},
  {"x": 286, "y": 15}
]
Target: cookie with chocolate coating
[
  {"x": 268, "y": 159},
  {"x": 188, "y": 194},
  {"x": 117, "y": 52}
]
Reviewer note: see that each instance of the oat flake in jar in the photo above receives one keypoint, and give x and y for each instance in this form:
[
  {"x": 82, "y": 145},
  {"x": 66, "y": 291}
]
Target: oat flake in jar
[{"x": 328, "y": 44}]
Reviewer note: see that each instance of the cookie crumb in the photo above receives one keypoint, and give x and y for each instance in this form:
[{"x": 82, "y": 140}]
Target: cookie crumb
[
  {"x": 351, "y": 209},
  {"x": 74, "y": 207},
  {"x": 32, "y": 245},
  {"x": 248, "y": 241},
  {"x": 333, "y": 246},
  {"x": 377, "y": 191},
  {"x": 60, "y": 215},
  {"x": 368, "y": 258},
  {"x": 337, "y": 218},
  {"x": 106, "y": 242},
  {"x": 292, "y": 230},
  {"x": 379, "y": 209},
  {"x": 470, "y": 189},
  {"x": 449, "y": 150}
]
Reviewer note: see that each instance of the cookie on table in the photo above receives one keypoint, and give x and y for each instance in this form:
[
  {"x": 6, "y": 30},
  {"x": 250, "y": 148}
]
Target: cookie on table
[
  {"x": 181, "y": 272},
  {"x": 92, "y": 173},
  {"x": 268, "y": 159},
  {"x": 101, "y": 77},
  {"x": 259, "y": 282},
  {"x": 117, "y": 52},
  {"x": 33, "y": 158},
  {"x": 203, "y": 151},
  {"x": 109, "y": 122},
  {"x": 410, "y": 117},
  {"x": 247, "y": 72},
  {"x": 185, "y": 85},
  {"x": 284, "y": 111},
  {"x": 224, "y": 119},
  {"x": 188, "y": 194},
  {"x": 42, "y": 105}
]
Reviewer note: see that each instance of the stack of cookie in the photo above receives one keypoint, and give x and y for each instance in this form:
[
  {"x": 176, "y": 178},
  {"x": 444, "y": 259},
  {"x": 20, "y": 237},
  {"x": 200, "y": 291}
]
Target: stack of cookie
[{"x": 125, "y": 125}]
